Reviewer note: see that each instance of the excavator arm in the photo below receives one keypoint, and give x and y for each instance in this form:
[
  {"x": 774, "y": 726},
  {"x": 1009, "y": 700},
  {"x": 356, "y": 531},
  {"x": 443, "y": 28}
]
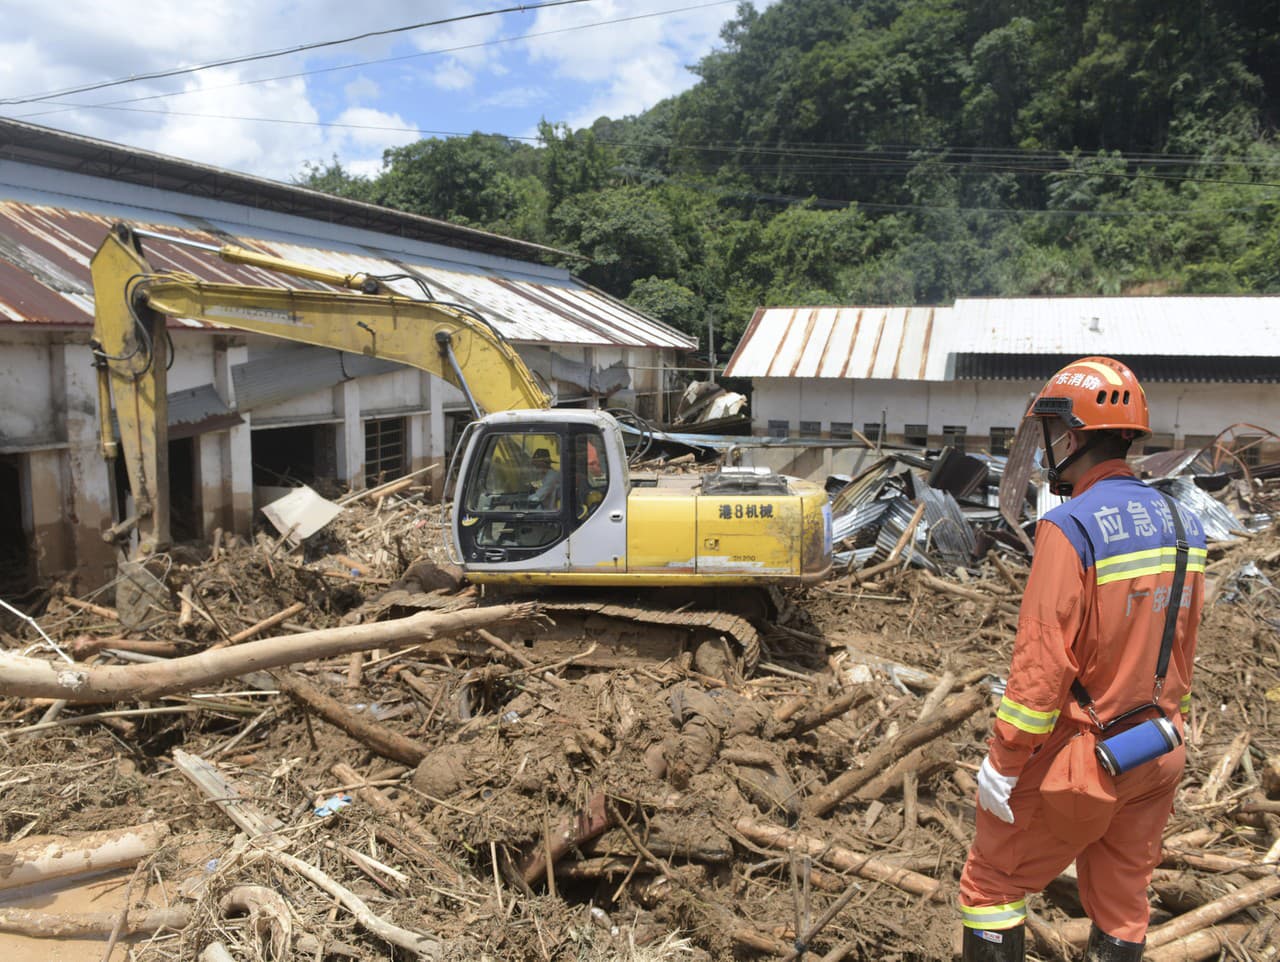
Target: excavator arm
[{"x": 130, "y": 345}]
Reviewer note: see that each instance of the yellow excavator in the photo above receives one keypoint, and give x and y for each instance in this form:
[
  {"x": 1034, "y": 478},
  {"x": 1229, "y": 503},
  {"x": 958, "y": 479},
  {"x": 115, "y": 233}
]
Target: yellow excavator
[{"x": 543, "y": 497}]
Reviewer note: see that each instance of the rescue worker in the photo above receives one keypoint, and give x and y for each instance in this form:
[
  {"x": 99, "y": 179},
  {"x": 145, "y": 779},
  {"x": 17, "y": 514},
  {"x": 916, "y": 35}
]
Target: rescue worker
[
  {"x": 547, "y": 493},
  {"x": 1094, "y": 613}
]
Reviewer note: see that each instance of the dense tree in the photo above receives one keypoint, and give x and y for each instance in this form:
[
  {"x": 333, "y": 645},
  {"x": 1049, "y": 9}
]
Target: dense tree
[{"x": 902, "y": 151}]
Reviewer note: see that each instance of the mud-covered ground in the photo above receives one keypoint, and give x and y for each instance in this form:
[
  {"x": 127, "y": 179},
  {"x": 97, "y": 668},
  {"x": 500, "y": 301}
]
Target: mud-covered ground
[{"x": 671, "y": 779}]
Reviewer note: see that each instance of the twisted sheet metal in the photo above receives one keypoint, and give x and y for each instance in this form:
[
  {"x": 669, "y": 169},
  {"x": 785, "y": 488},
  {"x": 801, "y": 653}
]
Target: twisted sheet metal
[
  {"x": 1216, "y": 518},
  {"x": 950, "y": 536}
]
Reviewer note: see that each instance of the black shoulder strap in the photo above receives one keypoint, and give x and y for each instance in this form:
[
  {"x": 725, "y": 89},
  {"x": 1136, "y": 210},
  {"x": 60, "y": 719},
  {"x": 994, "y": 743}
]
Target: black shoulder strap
[
  {"x": 1183, "y": 551},
  {"x": 1175, "y": 594}
]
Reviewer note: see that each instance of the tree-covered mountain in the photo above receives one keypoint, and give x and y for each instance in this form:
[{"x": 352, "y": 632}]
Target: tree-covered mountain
[{"x": 903, "y": 151}]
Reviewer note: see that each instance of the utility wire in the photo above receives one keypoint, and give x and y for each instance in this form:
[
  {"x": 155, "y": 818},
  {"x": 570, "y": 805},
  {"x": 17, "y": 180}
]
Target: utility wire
[
  {"x": 869, "y": 163},
  {"x": 267, "y": 55},
  {"x": 381, "y": 60}
]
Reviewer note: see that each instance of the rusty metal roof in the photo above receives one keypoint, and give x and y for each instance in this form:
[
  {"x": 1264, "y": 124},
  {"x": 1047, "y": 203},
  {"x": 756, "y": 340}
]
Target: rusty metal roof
[
  {"x": 44, "y": 278},
  {"x": 841, "y": 342},
  {"x": 59, "y": 150}
]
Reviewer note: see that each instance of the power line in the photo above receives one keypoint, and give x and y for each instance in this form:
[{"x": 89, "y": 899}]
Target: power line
[
  {"x": 270, "y": 54},
  {"x": 381, "y": 60},
  {"x": 868, "y": 162}
]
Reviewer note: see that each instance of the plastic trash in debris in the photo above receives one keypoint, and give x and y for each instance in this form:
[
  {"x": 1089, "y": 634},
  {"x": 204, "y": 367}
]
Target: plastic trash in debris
[{"x": 332, "y": 804}]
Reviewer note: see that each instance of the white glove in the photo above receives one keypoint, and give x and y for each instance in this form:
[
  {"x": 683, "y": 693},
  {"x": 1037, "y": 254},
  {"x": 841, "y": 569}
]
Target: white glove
[{"x": 994, "y": 790}]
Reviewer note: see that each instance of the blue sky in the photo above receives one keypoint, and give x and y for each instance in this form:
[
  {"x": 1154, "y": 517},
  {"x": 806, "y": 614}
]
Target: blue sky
[{"x": 499, "y": 73}]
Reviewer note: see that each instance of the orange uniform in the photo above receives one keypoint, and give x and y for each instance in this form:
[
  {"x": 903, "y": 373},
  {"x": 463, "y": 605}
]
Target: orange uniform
[{"x": 1094, "y": 609}]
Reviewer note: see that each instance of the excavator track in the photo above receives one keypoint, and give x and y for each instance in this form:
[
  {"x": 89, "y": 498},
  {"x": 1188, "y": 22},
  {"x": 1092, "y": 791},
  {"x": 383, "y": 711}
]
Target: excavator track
[{"x": 601, "y": 633}]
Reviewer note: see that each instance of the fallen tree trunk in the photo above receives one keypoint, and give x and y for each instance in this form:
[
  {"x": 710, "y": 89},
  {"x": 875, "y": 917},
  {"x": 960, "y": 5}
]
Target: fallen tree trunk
[
  {"x": 785, "y": 840},
  {"x": 950, "y": 714},
  {"x": 32, "y": 678},
  {"x": 54, "y": 857},
  {"x": 93, "y": 925}
]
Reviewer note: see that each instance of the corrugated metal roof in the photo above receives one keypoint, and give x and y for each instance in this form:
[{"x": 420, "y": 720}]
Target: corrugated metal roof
[
  {"x": 832, "y": 342},
  {"x": 1078, "y": 326},
  {"x": 44, "y": 278},
  {"x": 1162, "y": 338},
  {"x": 61, "y": 151}
]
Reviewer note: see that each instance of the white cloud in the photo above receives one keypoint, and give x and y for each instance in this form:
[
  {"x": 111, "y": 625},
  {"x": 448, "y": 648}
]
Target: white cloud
[
  {"x": 360, "y": 90},
  {"x": 452, "y": 75},
  {"x": 618, "y": 69}
]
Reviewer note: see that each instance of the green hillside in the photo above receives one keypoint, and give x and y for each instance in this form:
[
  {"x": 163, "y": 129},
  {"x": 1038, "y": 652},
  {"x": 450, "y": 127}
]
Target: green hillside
[{"x": 906, "y": 152}]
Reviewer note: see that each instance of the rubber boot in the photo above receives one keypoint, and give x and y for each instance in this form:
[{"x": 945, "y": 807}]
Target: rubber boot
[
  {"x": 981, "y": 945},
  {"x": 1107, "y": 948}
]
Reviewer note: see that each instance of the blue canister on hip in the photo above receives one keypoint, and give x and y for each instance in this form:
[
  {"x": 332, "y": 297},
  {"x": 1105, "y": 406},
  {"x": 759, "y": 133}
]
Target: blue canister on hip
[{"x": 1138, "y": 745}]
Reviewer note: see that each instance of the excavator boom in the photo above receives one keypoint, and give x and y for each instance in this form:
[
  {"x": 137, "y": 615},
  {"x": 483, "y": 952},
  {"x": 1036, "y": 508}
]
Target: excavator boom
[{"x": 131, "y": 300}]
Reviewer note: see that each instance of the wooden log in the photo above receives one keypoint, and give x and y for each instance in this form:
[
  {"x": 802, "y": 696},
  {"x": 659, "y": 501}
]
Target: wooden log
[
  {"x": 1206, "y": 944},
  {"x": 1209, "y": 862},
  {"x": 81, "y": 648},
  {"x": 379, "y": 738},
  {"x": 109, "y": 613},
  {"x": 91, "y": 925},
  {"x": 1225, "y": 767},
  {"x": 922, "y": 762},
  {"x": 950, "y": 714},
  {"x": 820, "y": 715},
  {"x": 424, "y": 946},
  {"x": 383, "y": 805},
  {"x": 34, "y": 678},
  {"x": 572, "y": 831},
  {"x": 259, "y": 627},
  {"x": 54, "y": 857},
  {"x": 1214, "y": 911},
  {"x": 785, "y": 840}
]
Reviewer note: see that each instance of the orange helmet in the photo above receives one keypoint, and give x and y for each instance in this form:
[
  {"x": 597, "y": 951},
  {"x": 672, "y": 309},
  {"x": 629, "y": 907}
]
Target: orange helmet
[{"x": 1095, "y": 394}]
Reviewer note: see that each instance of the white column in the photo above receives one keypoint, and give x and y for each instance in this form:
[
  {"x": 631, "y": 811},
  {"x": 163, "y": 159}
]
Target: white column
[
  {"x": 434, "y": 439},
  {"x": 350, "y": 435},
  {"x": 236, "y": 442},
  {"x": 87, "y": 498}
]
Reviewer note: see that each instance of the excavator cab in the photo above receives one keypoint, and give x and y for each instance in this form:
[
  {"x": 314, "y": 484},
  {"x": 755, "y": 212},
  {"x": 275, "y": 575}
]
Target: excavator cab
[{"x": 532, "y": 486}]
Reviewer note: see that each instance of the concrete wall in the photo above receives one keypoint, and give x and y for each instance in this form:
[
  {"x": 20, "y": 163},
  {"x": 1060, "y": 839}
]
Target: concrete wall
[
  {"x": 48, "y": 419},
  {"x": 1183, "y": 412}
]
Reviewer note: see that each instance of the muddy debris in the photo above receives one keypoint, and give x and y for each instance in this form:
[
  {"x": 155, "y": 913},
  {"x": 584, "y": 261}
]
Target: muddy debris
[{"x": 396, "y": 798}]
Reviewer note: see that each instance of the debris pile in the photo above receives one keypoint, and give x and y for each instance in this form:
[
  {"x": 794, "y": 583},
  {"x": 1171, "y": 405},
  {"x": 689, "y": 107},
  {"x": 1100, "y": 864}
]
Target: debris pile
[{"x": 281, "y": 762}]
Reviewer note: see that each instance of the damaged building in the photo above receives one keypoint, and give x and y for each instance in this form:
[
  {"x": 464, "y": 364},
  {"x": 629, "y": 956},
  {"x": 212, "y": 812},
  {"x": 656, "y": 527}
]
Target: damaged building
[
  {"x": 248, "y": 411},
  {"x": 962, "y": 376}
]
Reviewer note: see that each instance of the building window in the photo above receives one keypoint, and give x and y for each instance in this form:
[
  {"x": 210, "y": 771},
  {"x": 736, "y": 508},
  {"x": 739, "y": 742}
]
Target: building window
[
  {"x": 779, "y": 429},
  {"x": 1002, "y": 440},
  {"x": 871, "y": 430},
  {"x": 384, "y": 450},
  {"x": 916, "y": 435},
  {"x": 810, "y": 429},
  {"x": 842, "y": 430},
  {"x": 953, "y": 435}
]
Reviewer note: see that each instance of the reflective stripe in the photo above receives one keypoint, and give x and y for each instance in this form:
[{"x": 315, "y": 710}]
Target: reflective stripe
[
  {"x": 1152, "y": 561},
  {"x": 1184, "y": 703},
  {"x": 1026, "y": 719},
  {"x": 994, "y": 916}
]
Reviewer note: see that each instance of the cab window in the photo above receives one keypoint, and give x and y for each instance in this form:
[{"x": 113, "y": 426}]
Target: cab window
[
  {"x": 590, "y": 474},
  {"x": 518, "y": 472}
]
